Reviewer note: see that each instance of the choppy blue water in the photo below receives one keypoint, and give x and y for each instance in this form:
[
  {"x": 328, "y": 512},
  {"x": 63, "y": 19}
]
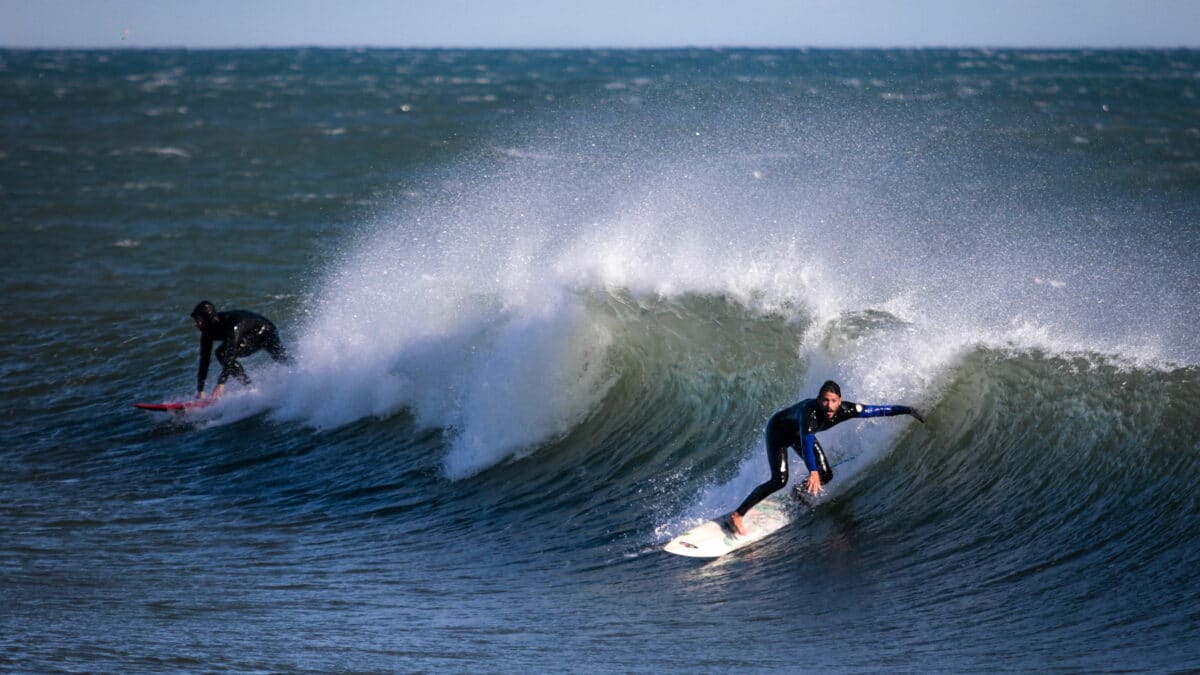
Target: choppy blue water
[{"x": 541, "y": 305}]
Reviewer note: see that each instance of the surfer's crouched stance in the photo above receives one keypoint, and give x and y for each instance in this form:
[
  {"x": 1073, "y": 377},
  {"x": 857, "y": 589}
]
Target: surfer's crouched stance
[
  {"x": 241, "y": 334},
  {"x": 796, "y": 427}
]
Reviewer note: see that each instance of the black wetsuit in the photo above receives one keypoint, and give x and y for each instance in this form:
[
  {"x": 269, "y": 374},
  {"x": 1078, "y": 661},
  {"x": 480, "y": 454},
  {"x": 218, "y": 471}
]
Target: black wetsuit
[
  {"x": 796, "y": 427},
  {"x": 241, "y": 333}
]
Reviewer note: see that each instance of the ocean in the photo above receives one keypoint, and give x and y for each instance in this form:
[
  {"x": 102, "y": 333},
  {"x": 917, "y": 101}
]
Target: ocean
[{"x": 540, "y": 305}]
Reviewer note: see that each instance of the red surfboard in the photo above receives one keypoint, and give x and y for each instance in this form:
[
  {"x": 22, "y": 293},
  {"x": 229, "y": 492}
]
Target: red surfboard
[{"x": 176, "y": 406}]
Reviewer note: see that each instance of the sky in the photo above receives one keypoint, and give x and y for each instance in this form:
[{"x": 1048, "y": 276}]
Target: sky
[{"x": 599, "y": 23}]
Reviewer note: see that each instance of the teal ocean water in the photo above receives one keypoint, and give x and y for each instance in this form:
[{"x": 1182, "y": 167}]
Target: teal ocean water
[{"x": 541, "y": 305}]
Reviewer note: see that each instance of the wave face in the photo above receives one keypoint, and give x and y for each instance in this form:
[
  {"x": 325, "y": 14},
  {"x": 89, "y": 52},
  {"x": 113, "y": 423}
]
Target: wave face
[{"x": 541, "y": 305}]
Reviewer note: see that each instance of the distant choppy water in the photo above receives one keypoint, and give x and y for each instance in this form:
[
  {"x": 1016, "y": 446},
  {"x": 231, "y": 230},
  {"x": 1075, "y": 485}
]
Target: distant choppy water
[{"x": 542, "y": 304}]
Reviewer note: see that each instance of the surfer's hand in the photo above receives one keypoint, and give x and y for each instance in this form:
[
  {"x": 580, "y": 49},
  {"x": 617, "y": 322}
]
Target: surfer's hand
[
  {"x": 918, "y": 414},
  {"x": 814, "y": 484}
]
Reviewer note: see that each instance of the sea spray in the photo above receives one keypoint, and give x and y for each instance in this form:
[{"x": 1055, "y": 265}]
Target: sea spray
[{"x": 472, "y": 295}]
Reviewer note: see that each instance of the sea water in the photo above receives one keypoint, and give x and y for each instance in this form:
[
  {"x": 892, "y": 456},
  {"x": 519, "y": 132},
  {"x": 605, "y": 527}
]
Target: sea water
[{"x": 540, "y": 306}]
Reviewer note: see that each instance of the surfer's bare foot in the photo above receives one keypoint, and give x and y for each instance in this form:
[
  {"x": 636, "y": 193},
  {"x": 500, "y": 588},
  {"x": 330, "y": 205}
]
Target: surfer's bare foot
[{"x": 735, "y": 521}]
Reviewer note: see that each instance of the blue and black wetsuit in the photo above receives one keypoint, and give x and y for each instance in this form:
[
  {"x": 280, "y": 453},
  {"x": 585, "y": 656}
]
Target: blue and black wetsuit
[
  {"x": 796, "y": 427},
  {"x": 241, "y": 333}
]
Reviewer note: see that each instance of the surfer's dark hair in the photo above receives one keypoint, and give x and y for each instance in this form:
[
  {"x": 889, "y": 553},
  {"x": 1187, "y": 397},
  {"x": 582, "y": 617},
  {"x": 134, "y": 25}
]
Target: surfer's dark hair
[
  {"x": 830, "y": 385},
  {"x": 205, "y": 311}
]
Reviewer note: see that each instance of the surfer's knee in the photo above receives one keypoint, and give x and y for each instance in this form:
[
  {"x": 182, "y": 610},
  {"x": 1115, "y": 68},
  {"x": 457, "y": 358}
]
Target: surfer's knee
[
  {"x": 779, "y": 476},
  {"x": 277, "y": 352}
]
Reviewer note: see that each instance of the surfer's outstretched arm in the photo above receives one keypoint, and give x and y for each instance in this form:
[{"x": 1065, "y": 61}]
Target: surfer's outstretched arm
[{"x": 891, "y": 411}]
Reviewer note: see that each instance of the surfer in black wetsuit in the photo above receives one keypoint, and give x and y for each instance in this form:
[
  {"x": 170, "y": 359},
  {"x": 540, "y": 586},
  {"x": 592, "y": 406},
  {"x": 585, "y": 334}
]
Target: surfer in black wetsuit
[
  {"x": 241, "y": 333},
  {"x": 796, "y": 427}
]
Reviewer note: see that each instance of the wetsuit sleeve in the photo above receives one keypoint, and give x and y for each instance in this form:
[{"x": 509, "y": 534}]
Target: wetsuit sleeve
[
  {"x": 206, "y": 343},
  {"x": 884, "y": 410},
  {"x": 808, "y": 451}
]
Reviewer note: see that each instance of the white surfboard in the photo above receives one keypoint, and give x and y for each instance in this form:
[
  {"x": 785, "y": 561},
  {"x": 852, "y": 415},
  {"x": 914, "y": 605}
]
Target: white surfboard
[{"x": 715, "y": 538}]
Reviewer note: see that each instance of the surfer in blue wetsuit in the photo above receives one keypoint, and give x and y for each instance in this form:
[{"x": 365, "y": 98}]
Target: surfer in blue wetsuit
[
  {"x": 796, "y": 427},
  {"x": 241, "y": 333}
]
